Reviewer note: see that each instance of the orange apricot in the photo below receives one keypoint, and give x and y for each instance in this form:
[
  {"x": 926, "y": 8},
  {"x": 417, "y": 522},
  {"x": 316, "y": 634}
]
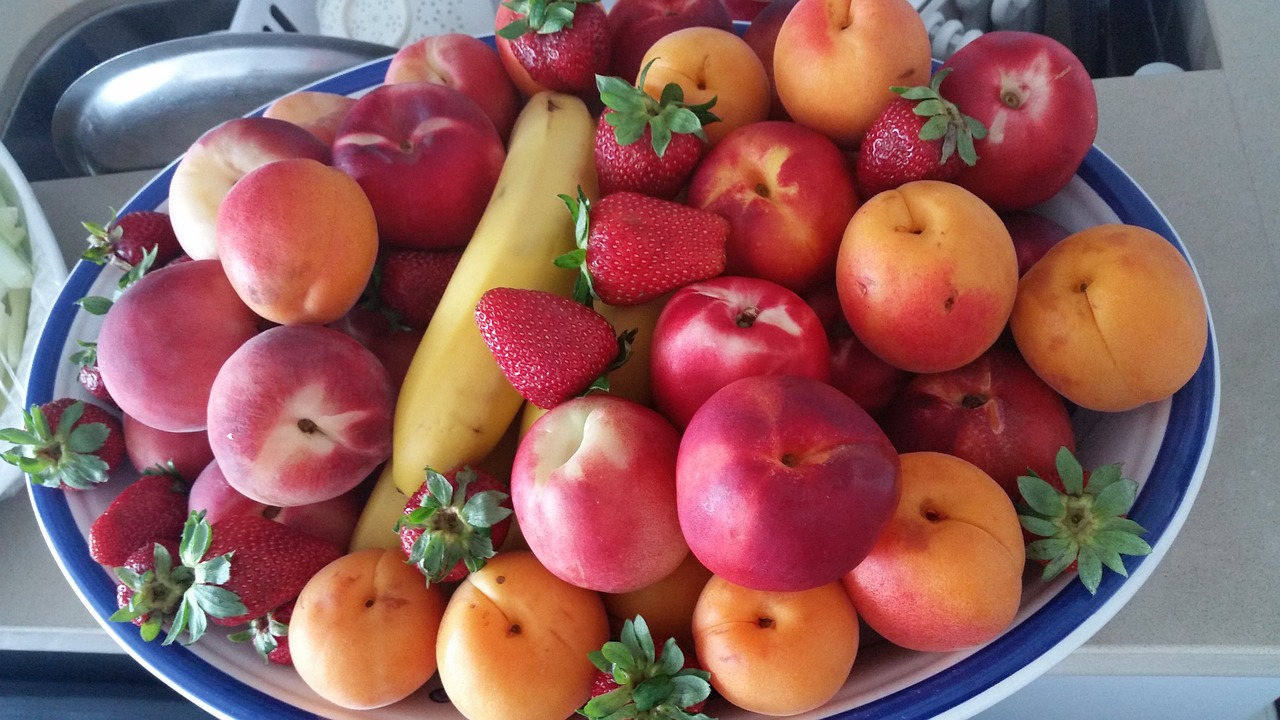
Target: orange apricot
[
  {"x": 363, "y": 631},
  {"x": 666, "y": 605},
  {"x": 1112, "y": 317},
  {"x": 775, "y": 653},
  {"x": 514, "y": 641},
  {"x": 709, "y": 63}
]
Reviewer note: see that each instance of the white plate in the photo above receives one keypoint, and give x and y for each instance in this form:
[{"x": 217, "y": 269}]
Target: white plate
[
  {"x": 1165, "y": 446},
  {"x": 49, "y": 271}
]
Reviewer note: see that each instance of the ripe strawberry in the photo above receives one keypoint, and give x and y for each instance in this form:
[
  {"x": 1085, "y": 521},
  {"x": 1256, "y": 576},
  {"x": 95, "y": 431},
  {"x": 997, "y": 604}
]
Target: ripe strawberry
[
  {"x": 89, "y": 375},
  {"x": 410, "y": 283},
  {"x": 644, "y": 144},
  {"x": 633, "y": 248},
  {"x": 125, "y": 240},
  {"x": 152, "y": 508},
  {"x": 238, "y": 569},
  {"x": 918, "y": 136},
  {"x": 269, "y": 635},
  {"x": 1080, "y": 518},
  {"x": 550, "y": 347},
  {"x": 270, "y": 562},
  {"x": 634, "y": 681},
  {"x": 66, "y": 443},
  {"x": 452, "y": 524},
  {"x": 562, "y": 44},
  {"x": 154, "y": 590}
]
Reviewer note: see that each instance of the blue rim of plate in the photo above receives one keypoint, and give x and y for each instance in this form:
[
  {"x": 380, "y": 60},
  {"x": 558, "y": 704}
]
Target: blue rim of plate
[{"x": 1193, "y": 412}]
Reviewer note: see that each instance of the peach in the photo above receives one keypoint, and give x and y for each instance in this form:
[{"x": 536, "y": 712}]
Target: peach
[
  {"x": 947, "y": 572},
  {"x": 465, "y": 63},
  {"x": 1112, "y": 317},
  {"x": 927, "y": 274},
  {"x": 594, "y": 486},
  {"x": 666, "y": 605},
  {"x": 833, "y": 62},
  {"x": 514, "y": 641},
  {"x": 216, "y": 161},
  {"x": 319, "y": 113},
  {"x": 364, "y": 630},
  {"x": 707, "y": 63},
  {"x": 787, "y": 192},
  {"x": 776, "y": 653},
  {"x": 298, "y": 241},
  {"x": 148, "y": 448},
  {"x": 332, "y": 520},
  {"x": 300, "y": 414},
  {"x": 163, "y": 342}
]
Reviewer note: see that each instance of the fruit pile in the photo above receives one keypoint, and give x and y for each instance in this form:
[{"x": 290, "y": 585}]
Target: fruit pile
[{"x": 622, "y": 363}]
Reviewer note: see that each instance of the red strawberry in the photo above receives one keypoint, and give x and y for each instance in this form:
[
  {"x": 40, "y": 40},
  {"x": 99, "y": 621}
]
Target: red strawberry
[
  {"x": 561, "y": 44},
  {"x": 550, "y": 347},
  {"x": 238, "y": 569},
  {"x": 66, "y": 443},
  {"x": 645, "y": 144},
  {"x": 1076, "y": 520},
  {"x": 137, "y": 564},
  {"x": 125, "y": 240},
  {"x": 269, "y": 635},
  {"x": 452, "y": 524},
  {"x": 410, "y": 283},
  {"x": 89, "y": 375},
  {"x": 152, "y": 508},
  {"x": 633, "y": 248},
  {"x": 629, "y": 671},
  {"x": 270, "y": 563},
  {"x": 918, "y": 136}
]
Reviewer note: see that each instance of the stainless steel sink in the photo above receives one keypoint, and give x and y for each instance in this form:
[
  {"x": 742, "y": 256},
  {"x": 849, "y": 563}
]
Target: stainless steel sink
[
  {"x": 125, "y": 26},
  {"x": 142, "y": 109}
]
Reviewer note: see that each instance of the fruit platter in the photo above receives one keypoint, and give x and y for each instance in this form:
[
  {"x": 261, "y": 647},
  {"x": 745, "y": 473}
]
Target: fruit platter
[{"x": 464, "y": 385}]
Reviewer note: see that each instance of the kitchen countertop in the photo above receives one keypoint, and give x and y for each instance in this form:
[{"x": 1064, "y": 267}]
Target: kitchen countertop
[{"x": 1199, "y": 144}]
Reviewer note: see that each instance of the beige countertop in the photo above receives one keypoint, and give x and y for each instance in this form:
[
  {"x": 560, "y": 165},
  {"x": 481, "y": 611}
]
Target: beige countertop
[{"x": 1202, "y": 146}]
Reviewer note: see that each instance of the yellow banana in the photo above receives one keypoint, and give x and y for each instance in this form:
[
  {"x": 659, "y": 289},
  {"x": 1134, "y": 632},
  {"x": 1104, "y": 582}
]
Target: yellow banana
[{"x": 455, "y": 403}]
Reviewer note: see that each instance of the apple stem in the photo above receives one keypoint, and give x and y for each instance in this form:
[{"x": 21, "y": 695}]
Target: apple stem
[{"x": 748, "y": 316}]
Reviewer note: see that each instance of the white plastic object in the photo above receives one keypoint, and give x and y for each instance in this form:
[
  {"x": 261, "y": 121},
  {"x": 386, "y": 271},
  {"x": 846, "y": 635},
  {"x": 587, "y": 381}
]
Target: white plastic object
[
  {"x": 276, "y": 16},
  {"x": 400, "y": 22},
  {"x": 950, "y": 37}
]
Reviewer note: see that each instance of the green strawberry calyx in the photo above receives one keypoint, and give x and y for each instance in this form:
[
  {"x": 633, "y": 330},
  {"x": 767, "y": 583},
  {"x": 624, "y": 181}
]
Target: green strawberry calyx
[
  {"x": 649, "y": 685},
  {"x": 539, "y": 16},
  {"x": 634, "y": 110},
  {"x": 58, "y": 457},
  {"x": 185, "y": 594},
  {"x": 455, "y": 528},
  {"x": 945, "y": 122},
  {"x": 1085, "y": 523},
  {"x": 264, "y": 632}
]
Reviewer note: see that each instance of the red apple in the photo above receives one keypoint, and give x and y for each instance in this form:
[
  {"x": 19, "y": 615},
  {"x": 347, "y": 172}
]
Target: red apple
[
  {"x": 713, "y": 332},
  {"x": 994, "y": 412},
  {"x": 300, "y": 414},
  {"x": 333, "y": 520},
  {"x": 855, "y": 370},
  {"x": 787, "y": 192},
  {"x": 1041, "y": 112},
  {"x": 927, "y": 276},
  {"x": 428, "y": 158},
  {"x": 217, "y": 160},
  {"x": 783, "y": 483},
  {"x": 149, "y": 448},
  {"x": 465, "y": 63},
  {"x": 1033, "y": 234},
  {"x": 634, "y": 25},
  {"x": 162, "y": 343},
  {"x": 594, "y": 486}
]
